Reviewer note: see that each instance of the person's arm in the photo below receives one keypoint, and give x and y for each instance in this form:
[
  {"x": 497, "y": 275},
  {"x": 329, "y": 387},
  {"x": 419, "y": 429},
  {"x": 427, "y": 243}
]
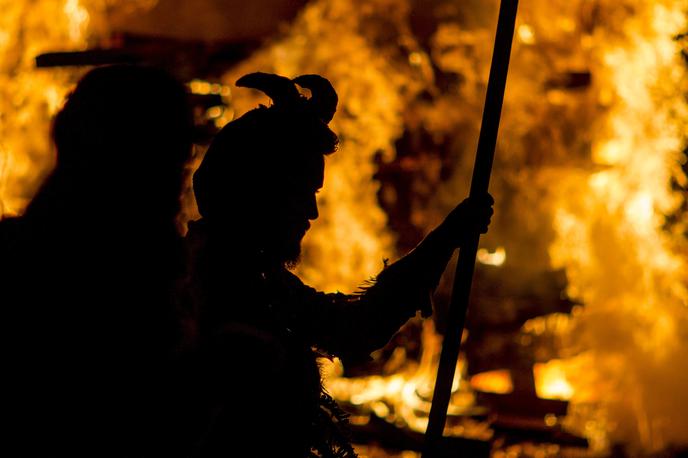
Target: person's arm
[{"x": 352, "y": 326}]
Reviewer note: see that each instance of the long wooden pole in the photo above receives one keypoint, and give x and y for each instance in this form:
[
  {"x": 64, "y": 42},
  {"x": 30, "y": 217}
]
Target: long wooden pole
[{"x": 464, "y": 270}]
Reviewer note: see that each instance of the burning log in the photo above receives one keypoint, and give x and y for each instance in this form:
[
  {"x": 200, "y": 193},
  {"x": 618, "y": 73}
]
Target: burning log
[
  {"x": 184, "y": 58},
  {"x": 84, "y": 58}
]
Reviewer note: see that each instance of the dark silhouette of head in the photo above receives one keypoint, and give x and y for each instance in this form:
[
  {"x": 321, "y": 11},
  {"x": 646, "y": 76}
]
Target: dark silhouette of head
[
  {"x": 122, "y": 139},
  {"x": 93, "y": 267},
  {"x": 259, "y": 178}
]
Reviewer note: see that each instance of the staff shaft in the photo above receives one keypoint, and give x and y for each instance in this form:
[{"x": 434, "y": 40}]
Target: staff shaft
[{"x": 480, "y": 181}]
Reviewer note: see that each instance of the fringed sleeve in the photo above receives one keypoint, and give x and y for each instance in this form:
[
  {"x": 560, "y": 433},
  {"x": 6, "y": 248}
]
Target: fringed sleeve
[{"x": 353, "y": 326}]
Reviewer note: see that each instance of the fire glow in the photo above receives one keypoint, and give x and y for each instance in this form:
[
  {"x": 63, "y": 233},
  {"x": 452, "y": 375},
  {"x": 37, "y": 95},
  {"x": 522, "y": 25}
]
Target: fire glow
[{"x": 588, "y": 178}]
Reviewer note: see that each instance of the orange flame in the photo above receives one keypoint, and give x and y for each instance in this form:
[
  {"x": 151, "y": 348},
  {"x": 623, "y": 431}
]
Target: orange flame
[{"x": 620, "y": 259}]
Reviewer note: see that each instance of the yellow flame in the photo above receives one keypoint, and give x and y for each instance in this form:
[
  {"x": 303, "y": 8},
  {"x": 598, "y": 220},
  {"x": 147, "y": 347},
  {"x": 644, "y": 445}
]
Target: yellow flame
[
  {"x": 526, "y": 34},
  {"x": 551, "y": 381},
  {"x": 78, "y": 19},
  {"x": 629, "y": 271}
]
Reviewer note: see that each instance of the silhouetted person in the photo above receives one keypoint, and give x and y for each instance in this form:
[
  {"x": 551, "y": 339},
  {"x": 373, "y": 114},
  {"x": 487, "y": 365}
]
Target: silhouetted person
[
  {"x": 259, "y": 327},
  {"x": 88, "y": 272}
]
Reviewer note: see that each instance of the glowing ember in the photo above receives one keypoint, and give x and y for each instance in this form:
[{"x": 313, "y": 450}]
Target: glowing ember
[
  {"x": 551, "y": 381},
  {"x": 498, "y": 381}
]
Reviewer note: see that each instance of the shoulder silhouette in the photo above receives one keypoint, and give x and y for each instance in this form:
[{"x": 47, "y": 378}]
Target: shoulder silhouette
[{"x": 93, "y": 263}]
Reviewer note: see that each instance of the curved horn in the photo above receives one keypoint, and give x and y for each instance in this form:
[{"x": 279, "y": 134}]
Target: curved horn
[
  {"x": 323, "y": 96},
  {"x": 279, "y": 88}
]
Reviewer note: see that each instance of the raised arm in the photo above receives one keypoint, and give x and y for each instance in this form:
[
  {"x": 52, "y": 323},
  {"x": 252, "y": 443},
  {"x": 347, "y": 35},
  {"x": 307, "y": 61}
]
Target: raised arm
[{"x": 352, "y": 326}]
